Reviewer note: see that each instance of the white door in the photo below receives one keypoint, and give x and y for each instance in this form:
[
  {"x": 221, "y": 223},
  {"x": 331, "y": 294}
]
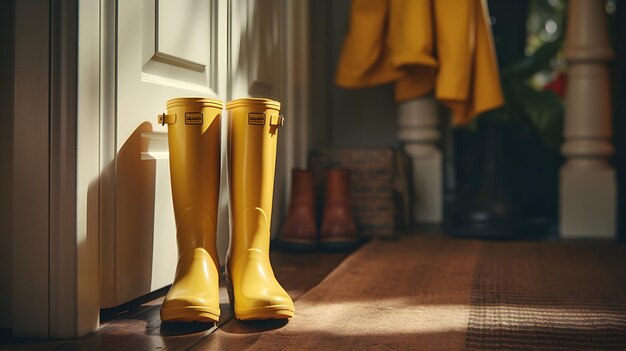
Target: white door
[
  {"x": 223, "y": 49},
  {"x": 165, "y": 49},
  {"x": 132, "y": 56}
]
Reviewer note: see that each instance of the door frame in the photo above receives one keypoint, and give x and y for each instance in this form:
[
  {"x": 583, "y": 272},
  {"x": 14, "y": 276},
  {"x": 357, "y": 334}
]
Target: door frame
[
  {"x": 64, "y": 106},
  {"x": 31, "y": 159},
  {"x": 52, "y": 252}
]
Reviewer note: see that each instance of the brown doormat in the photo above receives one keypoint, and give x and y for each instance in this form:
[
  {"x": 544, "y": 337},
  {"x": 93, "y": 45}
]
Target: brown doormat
[
  {"x": 430, "y": 292},
  {"x": 549, "y": 296},
  {"x": 411, "y": 293}
]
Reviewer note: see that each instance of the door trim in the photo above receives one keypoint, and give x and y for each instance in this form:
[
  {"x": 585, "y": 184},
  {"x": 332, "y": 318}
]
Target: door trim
[
  {"x": 297, "y": 86},
  {"x": 54, "y": 264},
  {"x": 63, "y": 75},
  {"x": 74, "y": 173}
]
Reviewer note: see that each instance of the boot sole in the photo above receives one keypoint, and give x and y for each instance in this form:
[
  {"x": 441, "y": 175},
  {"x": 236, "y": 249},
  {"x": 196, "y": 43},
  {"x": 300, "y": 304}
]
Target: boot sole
[
  {"x": 260, "y": 313},
  {"x": 269, "y": 312},
  {"x": 190, "y": 314}
]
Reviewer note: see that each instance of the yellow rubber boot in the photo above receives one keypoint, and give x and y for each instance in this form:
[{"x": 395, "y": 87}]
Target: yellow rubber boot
[
  {"x": 194, "y": 152},
  {"x": 253, "y": 131}
]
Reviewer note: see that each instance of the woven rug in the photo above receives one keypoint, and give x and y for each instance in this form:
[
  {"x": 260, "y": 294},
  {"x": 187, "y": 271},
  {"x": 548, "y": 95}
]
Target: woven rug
[
  {"x": 548, "y": 296},
  {"x": 436, "y": 293}
]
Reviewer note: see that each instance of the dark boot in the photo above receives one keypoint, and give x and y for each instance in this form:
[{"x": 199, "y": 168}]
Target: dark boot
[
  {"x": 338, "y": 227},
  {"x": 486, "y": 209},
  {"x": 300, "y": 230}
]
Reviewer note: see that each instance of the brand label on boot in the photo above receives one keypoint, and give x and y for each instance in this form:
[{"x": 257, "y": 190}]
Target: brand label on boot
[
  {"x": 256, "y": 119},
  {"x": 193, "y": 118}
]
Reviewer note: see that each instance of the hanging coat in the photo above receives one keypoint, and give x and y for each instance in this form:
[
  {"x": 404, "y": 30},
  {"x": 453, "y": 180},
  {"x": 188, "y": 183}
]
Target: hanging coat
[{"x": 424, "y": 46}]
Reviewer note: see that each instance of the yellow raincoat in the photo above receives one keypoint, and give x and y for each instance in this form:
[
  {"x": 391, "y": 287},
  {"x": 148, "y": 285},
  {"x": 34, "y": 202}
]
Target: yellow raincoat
[{"x": 440, "y": 46}]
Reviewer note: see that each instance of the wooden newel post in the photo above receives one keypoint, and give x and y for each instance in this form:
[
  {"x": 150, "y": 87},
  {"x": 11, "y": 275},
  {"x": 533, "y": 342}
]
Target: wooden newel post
[
  {"x": 587, "y": 185},
  {"x": 418, "y": 129}
]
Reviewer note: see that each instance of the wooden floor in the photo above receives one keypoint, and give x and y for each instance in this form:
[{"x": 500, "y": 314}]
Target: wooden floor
[
  {"x": 137, "y": 326},
  {"x": 426, "y": 291}
]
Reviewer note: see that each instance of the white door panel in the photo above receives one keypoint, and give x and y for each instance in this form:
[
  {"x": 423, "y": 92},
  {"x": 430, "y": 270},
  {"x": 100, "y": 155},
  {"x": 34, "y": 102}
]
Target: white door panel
[
  {"x": 165, "y": 49},
  {"x": 182, "y": 29},
  {"x": 179, "y": 44}
]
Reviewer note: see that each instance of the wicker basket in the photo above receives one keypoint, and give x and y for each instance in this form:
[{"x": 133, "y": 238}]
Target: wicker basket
[{"x": 378, "y": 187}]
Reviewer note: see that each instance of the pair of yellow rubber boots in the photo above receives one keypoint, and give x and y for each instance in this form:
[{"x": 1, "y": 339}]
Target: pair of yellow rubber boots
[{"x": 194, "y": 151}]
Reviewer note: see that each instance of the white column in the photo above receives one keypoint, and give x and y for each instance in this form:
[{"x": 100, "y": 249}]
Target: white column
[
  {"x": 587, "y": 185},
  {"x": 418, "y": 129}
]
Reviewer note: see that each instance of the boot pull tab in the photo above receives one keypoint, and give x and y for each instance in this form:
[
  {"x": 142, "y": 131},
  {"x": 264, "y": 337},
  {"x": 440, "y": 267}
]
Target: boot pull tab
[
  {"x": 167, "y": 119},
  {"x": 277, "y": 120}
]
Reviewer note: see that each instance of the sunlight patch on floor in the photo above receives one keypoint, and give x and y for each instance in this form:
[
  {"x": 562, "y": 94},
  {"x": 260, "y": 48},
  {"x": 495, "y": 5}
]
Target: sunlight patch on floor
[{"x": 388, "y": 316}]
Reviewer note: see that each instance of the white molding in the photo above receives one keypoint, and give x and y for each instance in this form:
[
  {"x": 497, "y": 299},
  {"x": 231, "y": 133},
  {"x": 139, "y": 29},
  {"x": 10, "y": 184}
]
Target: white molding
[
  {"x": 168, "y": 69},
  {"x": 107, "y": 147},
  {"x": 221, "y": 71},
  {"x": 276, "y": 78},
  {"x": 30, "y": 170},
  {"x": 237, "y": 54},
  {"x": 177, "y": 61},
  {"x": 87, "y": 166},
  {"x": 170, "y": 57},
  {"x": 55, "y": 251},
  {"x": 297, "y": 82},
  {"x": 63, "y": 94}
]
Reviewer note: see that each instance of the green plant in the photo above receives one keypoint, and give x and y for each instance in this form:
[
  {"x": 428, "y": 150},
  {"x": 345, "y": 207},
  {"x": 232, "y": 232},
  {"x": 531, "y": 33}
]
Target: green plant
[{"x": 523, "y": 102}]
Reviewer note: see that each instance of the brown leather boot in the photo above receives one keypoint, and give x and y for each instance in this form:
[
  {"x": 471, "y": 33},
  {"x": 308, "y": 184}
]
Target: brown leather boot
[
  {"x": 338, "y": 227},
  {"x": 300, "y": 229}
]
